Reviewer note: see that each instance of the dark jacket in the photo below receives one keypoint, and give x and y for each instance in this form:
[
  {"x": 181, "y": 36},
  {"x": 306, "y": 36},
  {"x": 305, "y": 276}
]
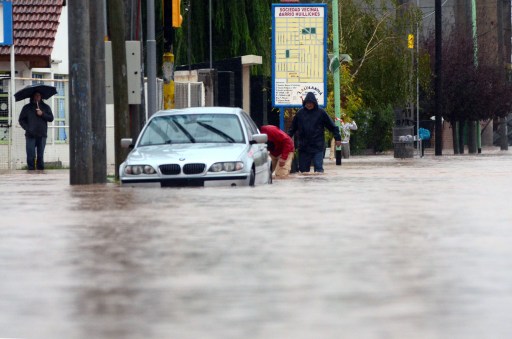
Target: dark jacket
[
  {"x": 310, "y": 125},
  {"x": 34, "y": 125}
]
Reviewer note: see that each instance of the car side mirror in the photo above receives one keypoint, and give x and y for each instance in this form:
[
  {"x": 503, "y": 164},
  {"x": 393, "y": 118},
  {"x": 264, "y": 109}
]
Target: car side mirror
[
  {"x": 127, "y": 143},
  {"x": 259, "y": 138}
]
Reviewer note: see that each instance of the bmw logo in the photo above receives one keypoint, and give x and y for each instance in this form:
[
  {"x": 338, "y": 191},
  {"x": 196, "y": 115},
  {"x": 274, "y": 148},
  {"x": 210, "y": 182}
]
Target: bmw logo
[{"x": 182, "y": 159}]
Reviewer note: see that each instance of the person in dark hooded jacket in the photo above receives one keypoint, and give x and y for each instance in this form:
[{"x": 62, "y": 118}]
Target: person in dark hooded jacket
[
  {"x": 34, "y": 119},
  {"x": 310, "y": 122}
]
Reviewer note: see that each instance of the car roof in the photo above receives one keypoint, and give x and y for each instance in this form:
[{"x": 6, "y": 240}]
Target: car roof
[{"x": 200, "y": 110}]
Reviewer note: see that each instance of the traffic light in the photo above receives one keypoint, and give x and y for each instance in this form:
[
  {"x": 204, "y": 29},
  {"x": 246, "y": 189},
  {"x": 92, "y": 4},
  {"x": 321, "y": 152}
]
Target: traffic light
[
  {"x": 177, "y": 19},
  {"x": 410, "y": 41}
]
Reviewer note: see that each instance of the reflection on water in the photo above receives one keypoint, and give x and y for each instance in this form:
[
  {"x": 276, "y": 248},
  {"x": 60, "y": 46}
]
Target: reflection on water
[{"x": 376, "y": 248}]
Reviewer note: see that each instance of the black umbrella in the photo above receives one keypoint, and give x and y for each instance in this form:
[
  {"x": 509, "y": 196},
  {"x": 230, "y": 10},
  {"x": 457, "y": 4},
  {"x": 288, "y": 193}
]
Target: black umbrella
[{"x": 46, "y": 91}]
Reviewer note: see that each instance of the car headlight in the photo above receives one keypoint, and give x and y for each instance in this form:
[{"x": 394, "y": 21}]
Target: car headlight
[
  {"x": 228, "y": 166},
  {"x": 139, "y": 169}
]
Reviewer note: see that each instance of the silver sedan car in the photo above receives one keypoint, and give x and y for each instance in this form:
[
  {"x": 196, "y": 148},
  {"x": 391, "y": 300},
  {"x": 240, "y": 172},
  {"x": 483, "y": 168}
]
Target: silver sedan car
[{"x": 199, "y": 146}]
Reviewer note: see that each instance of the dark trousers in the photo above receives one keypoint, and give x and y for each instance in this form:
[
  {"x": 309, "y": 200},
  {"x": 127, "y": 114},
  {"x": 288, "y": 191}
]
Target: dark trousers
[
  {"x": 35, "y": 150},
  {"x": 305, "y": 159}
]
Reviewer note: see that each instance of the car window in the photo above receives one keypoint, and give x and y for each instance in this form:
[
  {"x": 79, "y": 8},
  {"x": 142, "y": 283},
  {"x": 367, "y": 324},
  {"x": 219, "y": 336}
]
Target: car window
[
  {"x": 193, "y": 128},
  {"x": 155, "y": 133},
  {"x": 249, "y": 124}
]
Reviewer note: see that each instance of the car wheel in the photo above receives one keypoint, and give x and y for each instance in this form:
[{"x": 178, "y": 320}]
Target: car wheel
[{"x": 252, "y": 177}]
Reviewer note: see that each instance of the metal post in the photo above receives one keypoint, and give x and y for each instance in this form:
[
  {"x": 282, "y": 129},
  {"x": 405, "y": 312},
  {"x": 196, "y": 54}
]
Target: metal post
[
  {"x": 438, "y": 79},
  {"x": 12, "y": 102},
  {"x": 281, "y": 117},
  {"x": 151, "y": 57},
  {"x": 336, "y": 73},
  {"x": 419, "y": 144}
]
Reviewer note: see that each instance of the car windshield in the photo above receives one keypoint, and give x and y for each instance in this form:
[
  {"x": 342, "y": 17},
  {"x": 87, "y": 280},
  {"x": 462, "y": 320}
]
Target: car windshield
[{"x": 193, "y": 128}]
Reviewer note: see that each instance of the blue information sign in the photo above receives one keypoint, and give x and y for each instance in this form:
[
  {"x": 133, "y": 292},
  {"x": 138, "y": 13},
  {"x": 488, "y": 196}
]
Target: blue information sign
[
  {"x": 5, "y": 22},
  {"x": 299, "y": 58}
]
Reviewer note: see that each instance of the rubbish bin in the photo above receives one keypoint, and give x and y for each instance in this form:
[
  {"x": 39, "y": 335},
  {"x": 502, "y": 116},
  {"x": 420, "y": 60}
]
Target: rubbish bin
[{"x": 403, "y": 141}]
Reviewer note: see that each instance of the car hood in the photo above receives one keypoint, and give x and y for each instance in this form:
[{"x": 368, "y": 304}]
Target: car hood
[{"x": 204, "y": 153}]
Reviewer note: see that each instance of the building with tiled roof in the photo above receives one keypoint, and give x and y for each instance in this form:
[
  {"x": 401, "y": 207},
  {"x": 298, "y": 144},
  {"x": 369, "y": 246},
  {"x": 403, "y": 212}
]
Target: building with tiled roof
[{"x": 35, "y": 24}]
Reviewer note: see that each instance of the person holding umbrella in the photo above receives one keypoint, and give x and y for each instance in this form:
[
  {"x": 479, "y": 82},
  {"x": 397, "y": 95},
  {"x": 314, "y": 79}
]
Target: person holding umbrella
[{"x": 34, "y": 119}]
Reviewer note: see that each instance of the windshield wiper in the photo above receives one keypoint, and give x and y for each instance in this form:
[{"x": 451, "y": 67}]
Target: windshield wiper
[
  {"x": 217, "y": 131},
  {"x": 189, "y": 136}
]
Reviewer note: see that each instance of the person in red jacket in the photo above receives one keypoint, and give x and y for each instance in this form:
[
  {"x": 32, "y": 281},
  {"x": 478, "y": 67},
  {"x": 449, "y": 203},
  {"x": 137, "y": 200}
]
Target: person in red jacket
[{"x": 280, "y": 147}]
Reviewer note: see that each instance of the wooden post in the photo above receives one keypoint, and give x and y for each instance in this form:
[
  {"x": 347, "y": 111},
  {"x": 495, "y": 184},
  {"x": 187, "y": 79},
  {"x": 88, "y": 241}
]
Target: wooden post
[
  {"x": 80, "y": 141},
  {"x": 121, "y": 116},
  {"x": 98, "y": 114}
]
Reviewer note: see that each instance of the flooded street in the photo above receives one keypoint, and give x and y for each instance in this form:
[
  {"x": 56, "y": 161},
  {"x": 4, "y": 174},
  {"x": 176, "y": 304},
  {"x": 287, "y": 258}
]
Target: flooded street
[{"x": 376, "y": 248}]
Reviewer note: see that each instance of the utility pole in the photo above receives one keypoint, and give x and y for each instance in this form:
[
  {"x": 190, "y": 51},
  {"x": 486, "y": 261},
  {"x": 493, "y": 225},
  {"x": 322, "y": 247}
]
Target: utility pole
[
  {"x": 438, "y": 79},
  {"x": 336, "y": 72},
  {"x": 134, "y": 33},
  {"x": 474, "y": 137},
  {"x": 151, "y": 57},
  {"x": 98, "y": 114},
  {"x": 507, "y": 13},
  {"x": 80, "y": 141},
  {"x": 168, "y": 57},
  {"x": 121, "y": 117},
  {"x": 503, "y": 128}
]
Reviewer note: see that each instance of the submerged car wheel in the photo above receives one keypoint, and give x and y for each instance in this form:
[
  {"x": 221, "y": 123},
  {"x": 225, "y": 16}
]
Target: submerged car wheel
[{"x": 252, "y": 177}]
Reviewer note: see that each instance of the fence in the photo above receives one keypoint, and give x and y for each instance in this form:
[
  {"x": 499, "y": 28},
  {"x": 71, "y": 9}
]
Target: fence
[{"x": 12, "y": 136}]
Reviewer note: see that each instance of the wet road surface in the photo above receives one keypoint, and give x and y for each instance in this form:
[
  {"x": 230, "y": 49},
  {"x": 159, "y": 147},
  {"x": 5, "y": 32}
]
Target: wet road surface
[{"x": 376, "y": 248}]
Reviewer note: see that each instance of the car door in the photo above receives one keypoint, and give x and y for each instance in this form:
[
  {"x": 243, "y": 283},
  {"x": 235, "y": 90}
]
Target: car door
[{"x": 260, "y": 153}]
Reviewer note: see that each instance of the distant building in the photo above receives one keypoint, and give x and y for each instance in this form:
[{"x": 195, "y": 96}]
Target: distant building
[{"x": 41, "y": 55}]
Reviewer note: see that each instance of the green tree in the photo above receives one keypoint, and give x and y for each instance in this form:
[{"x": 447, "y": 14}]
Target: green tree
[
  {"x": 239, "y": 27},
  {"x": 382, "y": 75}
]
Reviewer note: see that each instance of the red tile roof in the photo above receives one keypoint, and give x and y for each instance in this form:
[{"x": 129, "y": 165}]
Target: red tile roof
[{"x": 35, "y": 24}]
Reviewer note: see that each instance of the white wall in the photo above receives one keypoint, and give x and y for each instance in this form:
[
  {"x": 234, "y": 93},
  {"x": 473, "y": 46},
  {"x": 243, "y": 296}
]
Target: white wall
[
  {"x": 60, "y": 64},
  {"x": 60, "y": 49}
]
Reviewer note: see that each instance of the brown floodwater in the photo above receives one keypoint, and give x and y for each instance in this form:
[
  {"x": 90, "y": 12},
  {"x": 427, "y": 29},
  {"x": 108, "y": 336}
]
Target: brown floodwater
[{"x": 376, "y": 248}]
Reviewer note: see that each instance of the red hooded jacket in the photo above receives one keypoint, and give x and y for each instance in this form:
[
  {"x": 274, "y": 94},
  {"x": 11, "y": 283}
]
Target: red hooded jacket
[{"x": 283, "y": 144}]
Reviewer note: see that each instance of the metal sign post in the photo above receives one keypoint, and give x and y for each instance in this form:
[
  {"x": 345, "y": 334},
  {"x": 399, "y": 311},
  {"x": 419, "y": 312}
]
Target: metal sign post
[{"x": 6, "y": 39}]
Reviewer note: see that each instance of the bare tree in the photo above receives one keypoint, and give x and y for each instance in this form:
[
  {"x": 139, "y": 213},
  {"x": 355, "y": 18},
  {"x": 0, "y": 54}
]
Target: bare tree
[{"x": 472, "y": 91}]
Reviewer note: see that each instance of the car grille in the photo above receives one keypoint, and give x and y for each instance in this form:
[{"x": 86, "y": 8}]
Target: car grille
[
  {"x": 193, "y": 168},
  {"x": 175, "y": 169},
  {"x": 170, "y": 169}
]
